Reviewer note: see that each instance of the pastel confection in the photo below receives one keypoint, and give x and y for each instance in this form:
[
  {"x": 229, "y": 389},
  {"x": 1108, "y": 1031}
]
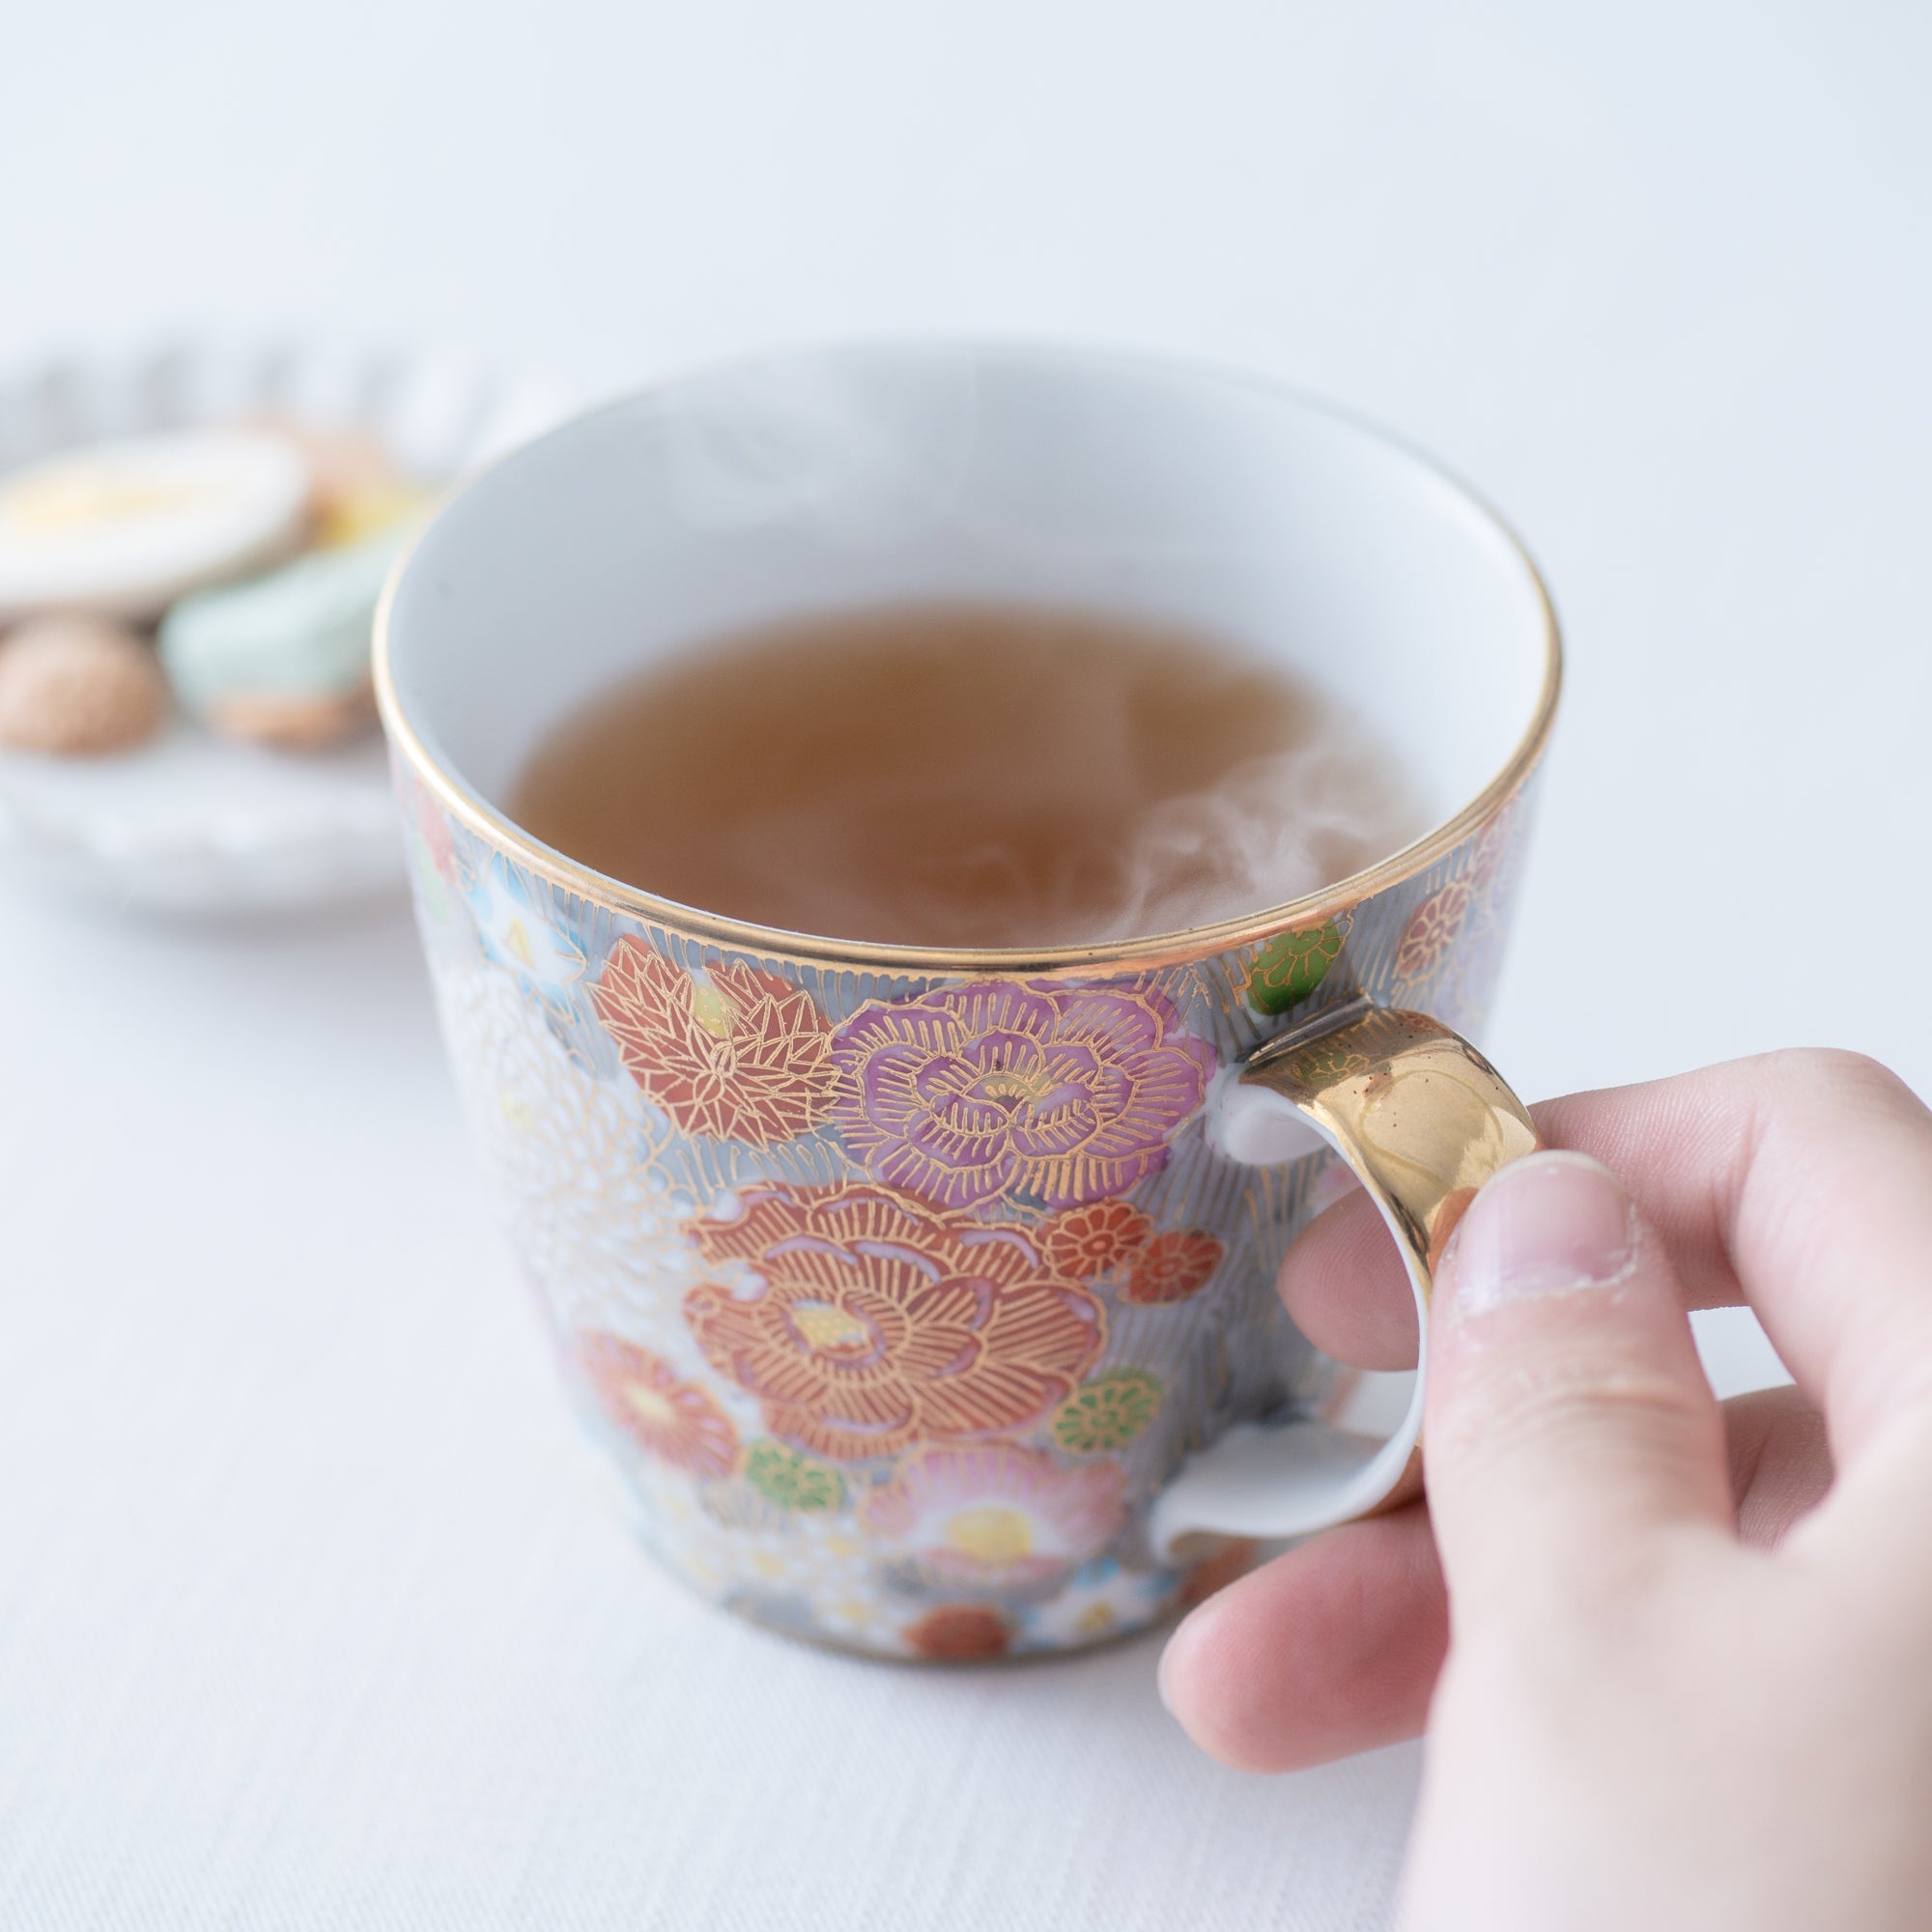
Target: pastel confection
[
  {"x": 124, "y": 529},
  {"x": 371, "y": 510},
  {"x": 79, "y": 685},
  {"x": 356, "y": 491},
  {"x": 292, "y": 723},
  {"x": 283, "y": 659}
]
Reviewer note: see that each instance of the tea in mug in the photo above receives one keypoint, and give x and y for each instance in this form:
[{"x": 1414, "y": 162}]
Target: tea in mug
[{"x": 967, "y": 775}]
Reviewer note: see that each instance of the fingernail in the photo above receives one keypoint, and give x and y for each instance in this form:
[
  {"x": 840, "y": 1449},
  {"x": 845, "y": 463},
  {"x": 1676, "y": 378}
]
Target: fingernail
[
  {"x": 1160, "y": 1678},
  {"x": 1548, "y": 1223}
]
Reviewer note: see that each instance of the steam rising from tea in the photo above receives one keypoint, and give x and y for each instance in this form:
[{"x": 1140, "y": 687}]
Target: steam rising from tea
[{"x": 968, "y": 776}]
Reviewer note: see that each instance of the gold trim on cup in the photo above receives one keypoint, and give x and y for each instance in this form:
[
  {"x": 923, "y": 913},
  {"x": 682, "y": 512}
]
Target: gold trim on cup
[{"x": 1157, "y": 950}]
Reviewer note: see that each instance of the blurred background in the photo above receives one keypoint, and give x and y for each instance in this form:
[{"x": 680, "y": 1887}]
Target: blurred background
[
  {"x": 298, "y": 1622},
  {"x": 1651, "y": 277}
]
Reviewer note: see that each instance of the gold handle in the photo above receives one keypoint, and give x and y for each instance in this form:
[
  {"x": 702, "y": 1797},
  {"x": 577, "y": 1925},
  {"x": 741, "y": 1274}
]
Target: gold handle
[{"x": 1422, "y": 1118}]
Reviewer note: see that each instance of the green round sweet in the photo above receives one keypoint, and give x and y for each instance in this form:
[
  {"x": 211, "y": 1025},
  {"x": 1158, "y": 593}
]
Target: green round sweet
[{"x": 302, "y": 630}]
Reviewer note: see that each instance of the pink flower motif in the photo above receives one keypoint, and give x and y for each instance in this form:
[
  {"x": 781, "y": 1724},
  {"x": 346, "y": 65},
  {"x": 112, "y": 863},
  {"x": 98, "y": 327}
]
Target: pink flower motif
[
  {"x": 971, "y": 1094},
  {"x": 994, "y": 1515},
  {"x": 1495, "y": 849},
  {"x": 1433, "y": 930}
]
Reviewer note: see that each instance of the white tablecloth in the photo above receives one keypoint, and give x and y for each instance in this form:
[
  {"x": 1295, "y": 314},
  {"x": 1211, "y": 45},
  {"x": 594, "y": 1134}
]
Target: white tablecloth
[{"x": 313, "y": 1611}]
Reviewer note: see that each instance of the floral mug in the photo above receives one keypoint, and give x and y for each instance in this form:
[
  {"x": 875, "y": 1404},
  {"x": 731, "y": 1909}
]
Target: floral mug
[{"x": 924, "y": 1298}]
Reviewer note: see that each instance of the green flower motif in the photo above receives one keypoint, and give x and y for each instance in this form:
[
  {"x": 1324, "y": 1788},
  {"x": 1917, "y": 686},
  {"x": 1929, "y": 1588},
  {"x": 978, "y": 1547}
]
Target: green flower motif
[
  {"x": 1107, "y": 1412},
  {"x": 1291, "y": 965},
  {"x": 792, "y": 1481}
]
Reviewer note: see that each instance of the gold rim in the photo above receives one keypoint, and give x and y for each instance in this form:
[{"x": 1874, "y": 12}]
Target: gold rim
[{"x": 1156, "y": 950}]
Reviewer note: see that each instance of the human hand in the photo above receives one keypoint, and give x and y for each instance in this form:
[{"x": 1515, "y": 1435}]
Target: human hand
[{"x": 1668, "y": 1681}]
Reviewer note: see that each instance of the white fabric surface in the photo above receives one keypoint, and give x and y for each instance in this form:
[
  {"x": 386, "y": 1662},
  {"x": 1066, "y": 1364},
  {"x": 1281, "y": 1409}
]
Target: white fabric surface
[{"x": 313, "y": 1613}]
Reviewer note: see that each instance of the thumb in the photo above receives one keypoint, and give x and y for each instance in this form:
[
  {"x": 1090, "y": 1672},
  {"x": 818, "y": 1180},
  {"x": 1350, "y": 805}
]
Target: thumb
[{"x": 1567, "y": 1410}]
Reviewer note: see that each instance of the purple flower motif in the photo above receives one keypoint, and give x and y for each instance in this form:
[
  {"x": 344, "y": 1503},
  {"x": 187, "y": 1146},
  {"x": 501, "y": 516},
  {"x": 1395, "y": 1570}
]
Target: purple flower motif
[{"x": 1056, "y": 1094}]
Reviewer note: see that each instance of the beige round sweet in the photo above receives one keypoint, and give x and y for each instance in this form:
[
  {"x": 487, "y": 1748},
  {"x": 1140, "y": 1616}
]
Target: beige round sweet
[{"x": 79, "y": 685}]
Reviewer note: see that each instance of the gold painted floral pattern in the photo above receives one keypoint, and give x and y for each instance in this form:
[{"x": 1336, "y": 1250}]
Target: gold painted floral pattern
[
  {"x": 739, "y": 1054},
  {"x": 1092, "y": 1241},
  {"x": 1432, "y": 931},
  {"x": 999, "y": 1089},
  {"x": 864, "y": 1322},
  {"x": 672, "y": 1419},
  {"x": 1291, "y": 965},
  {"x": 959, "y": 1633},
  {"x": 792, "y": 1481},
  {"x": 1496, "y": 849},
  {"x": 993, "y": 1514},
  {"x": 960, "y": 1164},
  {"x": 1108, "y": 1412},
  {"x": 590, "y": 1209},
  {"x": 1172, "y": 1266}
]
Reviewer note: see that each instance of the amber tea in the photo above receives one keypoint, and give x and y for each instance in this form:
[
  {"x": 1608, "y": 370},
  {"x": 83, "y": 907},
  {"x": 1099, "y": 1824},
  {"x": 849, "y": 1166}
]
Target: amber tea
[{"x": 968, "y": 776}]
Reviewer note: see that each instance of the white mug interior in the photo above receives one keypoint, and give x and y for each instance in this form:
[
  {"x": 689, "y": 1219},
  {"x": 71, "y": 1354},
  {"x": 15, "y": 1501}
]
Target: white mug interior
[{"x": 850, "y": 476}]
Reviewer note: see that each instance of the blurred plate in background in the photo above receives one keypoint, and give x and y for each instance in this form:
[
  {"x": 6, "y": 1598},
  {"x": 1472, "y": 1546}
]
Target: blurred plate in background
[{"x": 192, "y": 822}]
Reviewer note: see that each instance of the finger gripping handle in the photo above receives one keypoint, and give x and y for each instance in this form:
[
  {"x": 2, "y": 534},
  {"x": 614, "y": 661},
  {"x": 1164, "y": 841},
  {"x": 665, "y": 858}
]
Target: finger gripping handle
[{"x": 1424, "y": 1119}]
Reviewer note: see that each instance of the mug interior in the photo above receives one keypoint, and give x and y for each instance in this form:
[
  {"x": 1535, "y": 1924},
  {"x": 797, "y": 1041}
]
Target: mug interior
[{"x": 853, "y": 476}]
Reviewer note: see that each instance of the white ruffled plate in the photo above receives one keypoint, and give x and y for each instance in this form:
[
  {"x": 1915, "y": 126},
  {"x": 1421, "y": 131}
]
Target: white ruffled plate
[{"x": 190, "y": 822}]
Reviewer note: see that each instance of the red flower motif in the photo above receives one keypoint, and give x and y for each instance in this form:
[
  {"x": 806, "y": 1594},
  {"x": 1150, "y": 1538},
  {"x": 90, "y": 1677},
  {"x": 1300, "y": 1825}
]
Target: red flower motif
[
  {"x": 740, "y": 1055},
  {"x": 1432, "y": 931},
  {"x": 676, "y": 1421},
  {"x": 1085, "y": 1242},
  {"x": 1172, "y": 1266},
  {"x": 959, "y": 1633},
  {"x": 431, "y": 826},
  {"x": 876, "y": 1323}
]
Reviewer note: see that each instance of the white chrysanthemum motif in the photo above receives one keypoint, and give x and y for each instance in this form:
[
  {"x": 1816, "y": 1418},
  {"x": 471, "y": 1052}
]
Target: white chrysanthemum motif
[
  {"x": 515, "y": 928},
  {"x": 573, "y": 1159},
  {"x": 1101, "y": 1600}
]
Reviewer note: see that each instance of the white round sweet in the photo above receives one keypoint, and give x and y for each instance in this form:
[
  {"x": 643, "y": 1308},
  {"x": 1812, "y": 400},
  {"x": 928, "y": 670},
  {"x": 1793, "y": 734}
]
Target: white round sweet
[{"x": 124, "y": 529}]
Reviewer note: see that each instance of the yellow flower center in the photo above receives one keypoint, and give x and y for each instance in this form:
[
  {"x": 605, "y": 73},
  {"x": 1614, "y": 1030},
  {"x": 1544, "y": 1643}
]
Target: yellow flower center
[
  {"x": 995, "y": 1534},
  {"x": 710, "y": 1009},
  {"x": 826, "y": 1326},
  {"x": 650, "y": 1407},
  {"x": 518, "y": 940}
]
